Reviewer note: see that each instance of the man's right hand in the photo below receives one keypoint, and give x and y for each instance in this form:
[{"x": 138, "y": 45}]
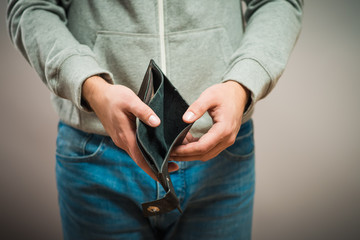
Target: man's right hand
[{"x": 117, "y": 108}]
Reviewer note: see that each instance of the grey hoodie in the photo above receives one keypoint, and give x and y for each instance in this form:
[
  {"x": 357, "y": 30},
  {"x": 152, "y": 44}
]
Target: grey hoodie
[{"x": 197, "y": 43}]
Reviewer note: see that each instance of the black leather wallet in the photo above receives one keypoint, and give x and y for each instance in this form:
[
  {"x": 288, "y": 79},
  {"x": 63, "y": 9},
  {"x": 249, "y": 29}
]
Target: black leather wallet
[{"x": 156, "y": 143}]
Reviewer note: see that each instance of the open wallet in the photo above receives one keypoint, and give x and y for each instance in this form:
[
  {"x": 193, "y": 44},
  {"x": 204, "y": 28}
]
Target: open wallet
[{"x": 156, "y": 143}]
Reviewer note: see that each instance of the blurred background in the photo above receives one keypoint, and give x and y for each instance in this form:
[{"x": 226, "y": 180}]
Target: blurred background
[{"x": 306, "y": 131}]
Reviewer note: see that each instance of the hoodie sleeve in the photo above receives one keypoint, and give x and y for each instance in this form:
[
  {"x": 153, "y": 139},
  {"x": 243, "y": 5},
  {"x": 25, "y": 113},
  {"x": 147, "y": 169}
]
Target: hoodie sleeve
[
  {"x": 38, "y": 29},
  {"x": 272, "y": 28}
]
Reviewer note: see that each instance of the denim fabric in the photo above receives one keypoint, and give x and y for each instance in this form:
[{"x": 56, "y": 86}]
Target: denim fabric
[{"x": 101, "y": 190}]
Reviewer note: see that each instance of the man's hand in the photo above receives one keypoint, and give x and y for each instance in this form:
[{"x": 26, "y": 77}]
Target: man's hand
[
  {"x": 225, "y": 103},
  {"x": 117, "y": 108}
]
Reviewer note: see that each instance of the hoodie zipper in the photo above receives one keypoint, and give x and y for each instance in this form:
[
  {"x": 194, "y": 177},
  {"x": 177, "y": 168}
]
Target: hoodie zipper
[{"x": 162, "y": 35}]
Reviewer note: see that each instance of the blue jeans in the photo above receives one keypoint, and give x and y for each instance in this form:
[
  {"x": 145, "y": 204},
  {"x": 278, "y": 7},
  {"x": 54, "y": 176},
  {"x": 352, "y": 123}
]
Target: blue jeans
[{"x": 101, "y": 190}]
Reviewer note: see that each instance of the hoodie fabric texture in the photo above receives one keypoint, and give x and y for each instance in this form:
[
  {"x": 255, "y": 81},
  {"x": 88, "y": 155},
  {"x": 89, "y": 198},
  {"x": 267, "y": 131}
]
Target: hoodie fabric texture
[{"x": 196, "y": 43}]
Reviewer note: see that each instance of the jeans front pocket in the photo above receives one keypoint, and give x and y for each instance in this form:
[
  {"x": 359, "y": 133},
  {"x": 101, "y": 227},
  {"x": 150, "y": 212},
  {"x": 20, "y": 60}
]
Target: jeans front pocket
[
  {"x": 75, "y": 145},
  {"x": 243, "y": 148}
]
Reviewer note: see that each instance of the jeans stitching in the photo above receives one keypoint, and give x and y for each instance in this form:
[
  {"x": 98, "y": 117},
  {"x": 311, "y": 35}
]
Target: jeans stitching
[{"x": 97, "y": 152}]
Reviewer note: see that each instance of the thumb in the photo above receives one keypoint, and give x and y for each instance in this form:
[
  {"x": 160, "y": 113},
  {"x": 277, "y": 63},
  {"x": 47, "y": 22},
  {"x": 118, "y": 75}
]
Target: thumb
[
  {"x": 197, "y": 109},
  {"x": 145, "y": 113}
]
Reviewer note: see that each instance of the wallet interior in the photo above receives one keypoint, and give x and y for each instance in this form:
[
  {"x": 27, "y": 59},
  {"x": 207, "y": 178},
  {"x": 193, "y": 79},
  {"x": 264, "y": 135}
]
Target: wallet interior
[
  {"x": 156, "y": 143},
  {"x": 169, "y": 106}
]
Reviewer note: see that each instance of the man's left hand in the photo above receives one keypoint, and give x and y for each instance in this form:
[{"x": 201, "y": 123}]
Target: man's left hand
[{"x": 225, "y": 103}]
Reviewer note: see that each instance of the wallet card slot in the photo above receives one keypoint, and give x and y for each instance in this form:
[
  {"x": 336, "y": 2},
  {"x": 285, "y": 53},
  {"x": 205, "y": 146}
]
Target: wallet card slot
[
  {"x": 157, "y": 79},
  {"x": 149, "y": 90},
  {"x": 175, "y": 107},
  {"x": 146, "y": 83},
  {"x": 152, "y": 139},
  {"x": 150, "y": 161}
]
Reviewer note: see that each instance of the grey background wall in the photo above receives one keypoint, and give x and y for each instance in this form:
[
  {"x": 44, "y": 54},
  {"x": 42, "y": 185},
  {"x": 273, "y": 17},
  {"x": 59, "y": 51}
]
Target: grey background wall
[{"x": 307, "y": 134}]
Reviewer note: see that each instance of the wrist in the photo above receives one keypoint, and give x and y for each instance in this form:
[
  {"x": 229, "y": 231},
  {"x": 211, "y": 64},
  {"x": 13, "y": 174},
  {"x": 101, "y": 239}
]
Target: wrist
[
  {"x": 243, "y": 93},
  {"x": 92, "y": 89},
  {"x": 241, "y": 89}
]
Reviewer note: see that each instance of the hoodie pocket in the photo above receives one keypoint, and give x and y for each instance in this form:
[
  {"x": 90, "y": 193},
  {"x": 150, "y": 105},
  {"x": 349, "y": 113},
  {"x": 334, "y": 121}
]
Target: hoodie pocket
[
  {"x": 126, "y": 55},
  {"x": 198, "y": 57}
]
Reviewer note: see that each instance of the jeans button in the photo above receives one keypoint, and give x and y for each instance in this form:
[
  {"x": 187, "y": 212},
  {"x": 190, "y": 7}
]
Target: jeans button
[{"x": 153, "y": 209}]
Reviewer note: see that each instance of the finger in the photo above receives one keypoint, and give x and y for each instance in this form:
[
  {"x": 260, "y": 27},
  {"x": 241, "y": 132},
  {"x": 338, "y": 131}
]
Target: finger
[
  {"x": 207, "y": 142},
  {"x": 136, "y": 155},
  {"x": 189, "y": 138},
  {"x": 173, "y": 167},
  {"x": 140, "y": 161},
  {"x": 198, "y": 108},
  {"x": 144, "y": 112},
  {"x": 209, "y": 155},
  {"x": 122, "y": 130}
]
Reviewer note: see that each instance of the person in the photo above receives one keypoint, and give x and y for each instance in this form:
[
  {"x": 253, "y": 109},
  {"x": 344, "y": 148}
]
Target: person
[{"x": 92, "y": 55}]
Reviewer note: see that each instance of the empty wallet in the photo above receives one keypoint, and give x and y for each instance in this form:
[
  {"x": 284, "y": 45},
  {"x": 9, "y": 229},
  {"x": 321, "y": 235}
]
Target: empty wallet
[{"x": 156, "y": 143}]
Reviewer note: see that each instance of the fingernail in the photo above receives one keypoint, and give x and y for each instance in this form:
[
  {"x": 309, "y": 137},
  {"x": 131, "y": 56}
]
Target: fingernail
[
  {"x": 153, "y": 120},
  {"x": 188, "y": 116}
]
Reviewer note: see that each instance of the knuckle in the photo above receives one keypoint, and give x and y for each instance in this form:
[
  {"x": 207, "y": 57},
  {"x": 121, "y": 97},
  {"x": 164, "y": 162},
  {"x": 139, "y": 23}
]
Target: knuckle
[
  {"x": 125, "y": 105},
  {"x": 231, "y": 140},
  {"x": 141, "y": 110},
  {"x": 233, "y": 136},
  {"x": 146, "y": 112},
  {"x": 222, "y": 137},
  {"x": 128, "y": 101},
  {"x": 204, "y": 159},
  {"x": 201, "y": 149},
  {"x": 131, "y": 106},
  {"x": 117, "y": 142},
  {"x": 227, "y": 132},
  {"x": 199, "y": 107}
]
